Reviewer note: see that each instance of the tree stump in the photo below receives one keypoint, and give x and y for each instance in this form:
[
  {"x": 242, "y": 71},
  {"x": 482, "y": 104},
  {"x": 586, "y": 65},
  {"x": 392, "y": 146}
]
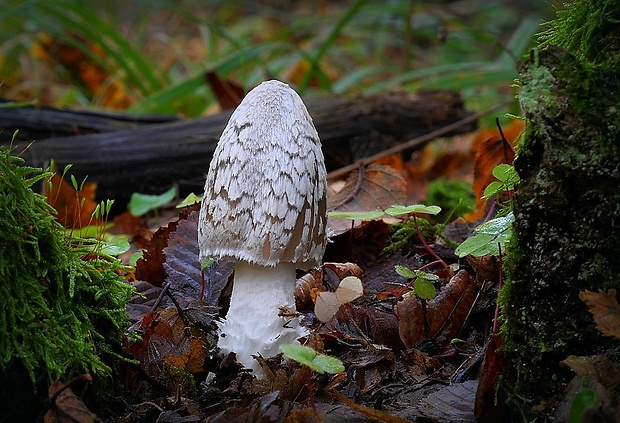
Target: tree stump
[{"x": 567, "y": 221}]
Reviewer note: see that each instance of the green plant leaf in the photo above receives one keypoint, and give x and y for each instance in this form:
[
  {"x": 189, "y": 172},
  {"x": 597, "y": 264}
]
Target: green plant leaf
[
  {"x": 503, "y": 171},
  {"x": 189, "y": 200},
  {"x": 414, "y": 208},
  {"x": 489, "y": 236},
  {"x": 140, "y": 204},
  {"x": 492, "y": 189},
  {"x": 206, "y": 262},
  {"x": 584, "y": 400},
  {"x": 404, "y": 271},
  {"x": 320, "y": 363},
  {"x": 369, "y": 215},
  {"x": 327, "y": 364},
  {"x": 424, "y": 288},
  {"x": 113, "y": 245}
]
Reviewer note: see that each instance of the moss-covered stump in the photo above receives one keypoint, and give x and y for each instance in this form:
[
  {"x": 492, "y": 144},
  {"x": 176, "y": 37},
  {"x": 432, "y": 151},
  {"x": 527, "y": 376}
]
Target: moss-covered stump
[
  {"x": 62, "y": 301},
  {"x": 567, "y": 220}
]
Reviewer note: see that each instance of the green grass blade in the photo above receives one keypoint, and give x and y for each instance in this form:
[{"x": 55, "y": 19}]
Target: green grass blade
[
  {"x": 519, "y": 41},
  {"x": 329, "y": 40}
]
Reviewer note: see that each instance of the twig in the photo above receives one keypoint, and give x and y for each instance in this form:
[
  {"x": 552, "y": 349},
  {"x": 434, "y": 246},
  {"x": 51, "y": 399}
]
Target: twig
[{"x": 416, "y": 142}]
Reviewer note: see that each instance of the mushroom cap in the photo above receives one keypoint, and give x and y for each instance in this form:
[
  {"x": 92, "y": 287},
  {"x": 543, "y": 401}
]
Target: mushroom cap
[{"x": 265, "y": 196}]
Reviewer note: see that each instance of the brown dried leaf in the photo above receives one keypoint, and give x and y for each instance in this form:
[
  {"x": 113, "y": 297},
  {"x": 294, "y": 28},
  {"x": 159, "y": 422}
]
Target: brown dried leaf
[
  {"x": 167, "y": 342},
  {"x": 445, "y": 314},
  {"x": 452, "y": 403},
  {"x": 228, "y": 93},
  {"x": 376, "y": 187},
  {"x": 151, "y": 266},
  {"x": 605, "y": 310},
  {"x": 342, "y": 270},
  {"x": 602, "y": 376},
  {"x": 306, "y": 289},
  {"x": 489, "y": 406},
  {"x": 66, "y": 407}
]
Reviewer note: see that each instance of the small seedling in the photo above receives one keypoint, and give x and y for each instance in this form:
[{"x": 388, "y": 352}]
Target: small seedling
[
  {"x": 421, "y": 283},
  {"x": 507, "y": 179},
  {"x": 489, "y": 238},
  {"x": 320, "y": 363}
]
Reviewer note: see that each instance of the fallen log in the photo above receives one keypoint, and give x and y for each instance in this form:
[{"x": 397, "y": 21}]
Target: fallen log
[{"x": 149, "y": 156}]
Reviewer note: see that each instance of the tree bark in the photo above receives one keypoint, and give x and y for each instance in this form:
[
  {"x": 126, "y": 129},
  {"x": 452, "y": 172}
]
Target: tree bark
[
  {"x": 150, "y": 154},
  {"x": 567, "y": 221}
]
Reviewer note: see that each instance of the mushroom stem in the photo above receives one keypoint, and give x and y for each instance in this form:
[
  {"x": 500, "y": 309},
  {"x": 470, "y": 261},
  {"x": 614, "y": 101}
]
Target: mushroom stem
[{"x": 252, "y": 325}]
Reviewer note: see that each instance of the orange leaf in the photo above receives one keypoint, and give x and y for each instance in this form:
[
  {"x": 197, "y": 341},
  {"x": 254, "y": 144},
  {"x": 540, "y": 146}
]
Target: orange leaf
[
  {"x": 605, "y": 310},
  {"x": 490, "y": 151},
  {"x": 75, "y": 208}
]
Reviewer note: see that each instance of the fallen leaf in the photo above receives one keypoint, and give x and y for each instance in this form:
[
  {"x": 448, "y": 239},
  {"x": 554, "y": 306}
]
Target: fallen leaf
[
  {"x": 75, "y": 208},
  {"x": 376, "y": 187},
  {"x": 443, "y": 316},
  {"x": 452, "y": 403},
  {"x": 228, "y": 93},
  {"x": 491, "y": 150},
  {"x": 168, "y": 343},
  {"x": 306, "y": 415},
  {"x": 66, "y": 406},
  {"x": 605, "y": 310},
  {"x": 601, "y": 377},
  {"x": 489, "y": 403}
]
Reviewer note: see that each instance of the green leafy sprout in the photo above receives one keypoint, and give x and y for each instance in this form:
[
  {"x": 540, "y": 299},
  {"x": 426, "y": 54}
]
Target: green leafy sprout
[
  {"x": 489, "y": 237},
  {"x": 320, "y": 363},
  {"x": 422, "y": 281},
  {"x": 507, "y": 177},
  {"x": 141, "y": 204}
]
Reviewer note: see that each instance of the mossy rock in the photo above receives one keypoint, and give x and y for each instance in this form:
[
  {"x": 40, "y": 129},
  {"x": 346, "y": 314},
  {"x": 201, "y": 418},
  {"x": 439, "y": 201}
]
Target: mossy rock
[
  {"x": 567, "y": 220},
  {"x": 63, "y": 304}
]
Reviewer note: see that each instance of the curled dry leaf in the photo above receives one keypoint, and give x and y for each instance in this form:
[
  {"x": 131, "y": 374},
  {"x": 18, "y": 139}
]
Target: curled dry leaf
[
  {"x": 342, "y": 270},
  {"x": 66, "y": 406},
  {"x": 307, "y": 287},
  {"x": 443, "y": 316}
]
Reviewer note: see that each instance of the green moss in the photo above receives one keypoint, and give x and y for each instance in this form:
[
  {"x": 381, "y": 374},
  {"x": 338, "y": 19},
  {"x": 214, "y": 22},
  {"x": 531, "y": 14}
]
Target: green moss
[
  {"x": 586, "y": 27},
  {"x": 455, "y": 198},
  {"x": 63, "y": 306},
  {"x": 567, "y": 220}
]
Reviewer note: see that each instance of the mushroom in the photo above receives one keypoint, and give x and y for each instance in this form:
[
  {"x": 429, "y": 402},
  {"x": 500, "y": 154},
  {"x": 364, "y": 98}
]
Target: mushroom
[{"x": 265, "y": 206}]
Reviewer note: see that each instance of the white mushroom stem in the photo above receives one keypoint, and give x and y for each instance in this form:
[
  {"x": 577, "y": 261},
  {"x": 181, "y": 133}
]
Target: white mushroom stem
[{"x": 252, "y": 325}]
